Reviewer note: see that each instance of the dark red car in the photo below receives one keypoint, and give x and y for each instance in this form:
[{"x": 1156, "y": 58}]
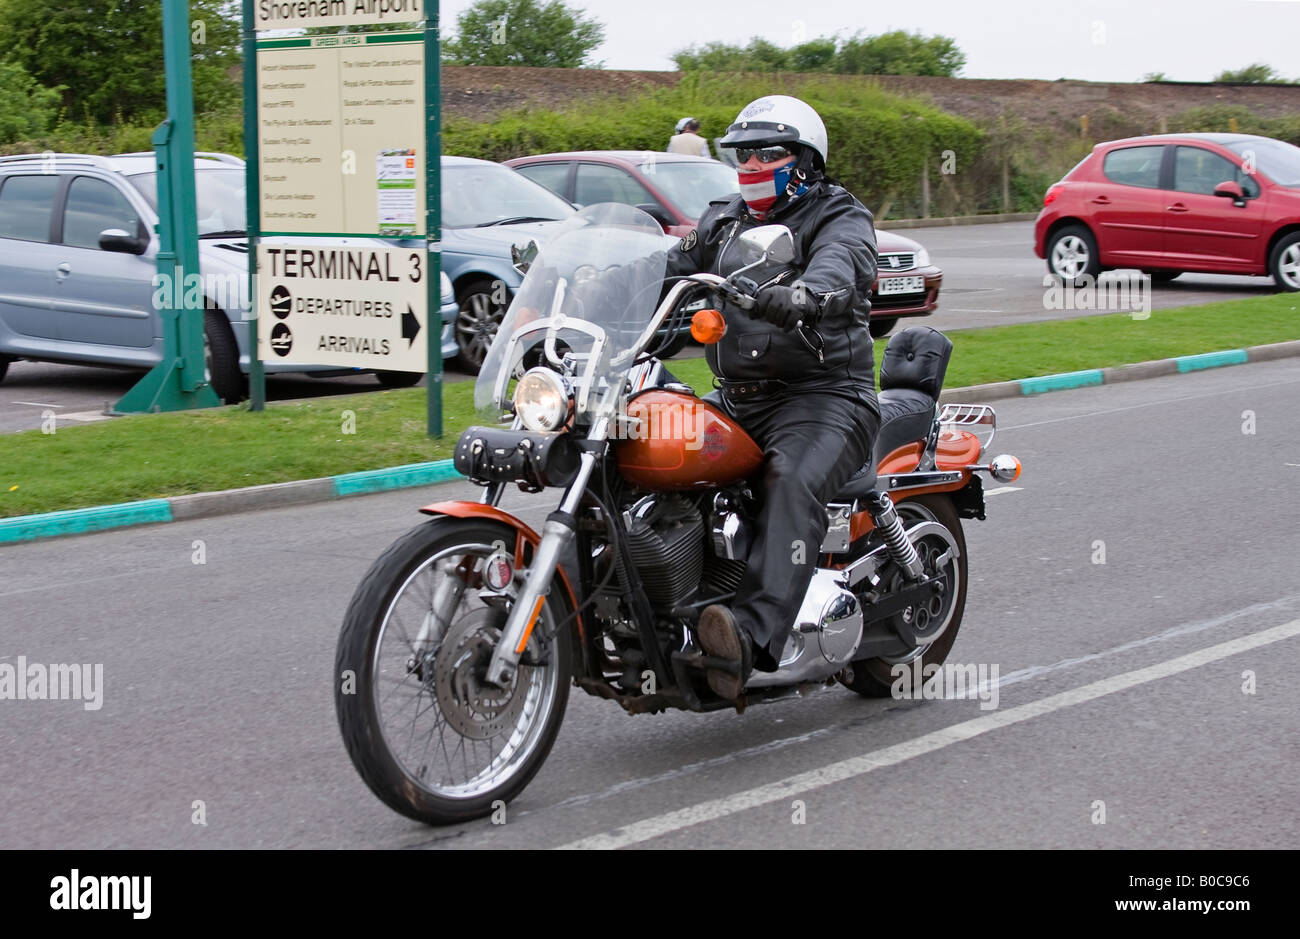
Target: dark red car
[
  {"x": 676, "y": 189},
  {"x": 1211, "y": 203}
]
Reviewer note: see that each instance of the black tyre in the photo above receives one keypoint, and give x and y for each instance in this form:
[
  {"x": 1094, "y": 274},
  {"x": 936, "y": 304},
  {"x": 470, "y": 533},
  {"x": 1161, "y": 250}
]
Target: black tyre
[
  {"x": 221, "y": 358},
  {"x": 873, "y": 678},
  {"x": 1163, "y": 277},
  {"x": 674, "y": 346},
  {"x": 881, "y": 326},
  {"x": 429, "y": 737},
  {"x": 478, "y": 320},
  {"x": 4, "y": 365},
  {"x": 1284, "y": 263},
  {"x": 1072, "y": 255},
  {"x": 399, "y": 379}
]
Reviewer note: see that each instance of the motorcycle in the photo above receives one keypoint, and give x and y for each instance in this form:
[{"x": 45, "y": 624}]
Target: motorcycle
[{"x": 459, "y": 646}]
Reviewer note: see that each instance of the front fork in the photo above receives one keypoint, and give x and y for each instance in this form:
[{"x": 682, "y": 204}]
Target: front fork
[{"x": 556, "y": 535}]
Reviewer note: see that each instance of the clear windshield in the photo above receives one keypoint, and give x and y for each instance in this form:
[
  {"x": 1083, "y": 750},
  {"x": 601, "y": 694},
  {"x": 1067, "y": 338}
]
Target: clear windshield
[
  {"x": 481, "y": 194},
  {"x": 589, "y": 294},
  {"x": 218, "y": 195}
]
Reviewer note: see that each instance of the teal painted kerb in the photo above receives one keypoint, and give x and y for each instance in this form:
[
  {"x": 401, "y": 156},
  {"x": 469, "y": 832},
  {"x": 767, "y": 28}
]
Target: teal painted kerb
[
  {"x": 77, "y": 521},
  {"x": 397, "y": 477},
  {"x": 1033, "y": 386},
  {"x": 1191, "y": 363}
]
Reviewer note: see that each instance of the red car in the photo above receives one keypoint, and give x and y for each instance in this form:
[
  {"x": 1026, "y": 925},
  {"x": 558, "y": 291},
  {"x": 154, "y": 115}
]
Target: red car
[
  {"x": 1211, "y": 203},
  {"x": 676, "y": 189}
]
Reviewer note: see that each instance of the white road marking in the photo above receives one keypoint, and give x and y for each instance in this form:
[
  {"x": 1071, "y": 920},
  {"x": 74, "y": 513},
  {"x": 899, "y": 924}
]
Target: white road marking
[
  {"x": 36, "y": 404},
  {"x": 714, "y": 809},
  {"x": 1001, "y": 489},
  {"x": 1291, "y": 464}
]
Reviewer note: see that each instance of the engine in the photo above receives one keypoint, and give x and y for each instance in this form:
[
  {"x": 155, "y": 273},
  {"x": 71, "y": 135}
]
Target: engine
[{"x": 666, "y": 543}]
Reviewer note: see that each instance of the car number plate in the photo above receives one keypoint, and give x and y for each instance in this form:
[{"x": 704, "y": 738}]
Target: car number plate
[{"x": 890, "y": 285}]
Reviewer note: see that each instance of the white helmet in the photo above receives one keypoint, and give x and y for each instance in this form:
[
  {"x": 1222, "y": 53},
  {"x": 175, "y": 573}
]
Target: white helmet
[{"x": 777, "y": 119}]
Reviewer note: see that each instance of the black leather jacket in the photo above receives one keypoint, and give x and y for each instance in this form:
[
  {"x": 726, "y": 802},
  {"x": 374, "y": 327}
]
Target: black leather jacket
[{"x": 835, "y": 258}]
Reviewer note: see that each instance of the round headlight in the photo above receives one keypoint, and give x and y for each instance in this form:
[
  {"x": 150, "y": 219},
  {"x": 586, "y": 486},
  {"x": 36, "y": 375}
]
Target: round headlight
[{"x": 541, "y": 399}]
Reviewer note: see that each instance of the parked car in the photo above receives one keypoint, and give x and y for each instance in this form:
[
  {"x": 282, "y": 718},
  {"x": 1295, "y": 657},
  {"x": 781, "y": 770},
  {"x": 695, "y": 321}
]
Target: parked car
[
  {"x": 73, "y": 291},
  {"x": 1211, "y": 203},
  {"x": 676, "y": 189},
  {"x": 673, "y": 188}
]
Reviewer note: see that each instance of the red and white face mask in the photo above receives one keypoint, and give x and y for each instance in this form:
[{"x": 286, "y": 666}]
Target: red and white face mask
[{"x": 761, "y": 189}]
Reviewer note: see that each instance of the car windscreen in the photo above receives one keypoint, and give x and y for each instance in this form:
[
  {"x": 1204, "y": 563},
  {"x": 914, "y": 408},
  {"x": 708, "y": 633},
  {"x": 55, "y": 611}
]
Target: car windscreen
[
  {"x": 1276, "y": 159},
  {"x": 483, "y": 194},
  {"x": 219, "y": 195},
  {"x": 692, "y": 186}
]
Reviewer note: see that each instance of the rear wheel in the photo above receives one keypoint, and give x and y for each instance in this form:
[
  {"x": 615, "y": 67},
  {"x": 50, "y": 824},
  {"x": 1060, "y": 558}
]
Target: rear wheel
[
  {"x": 1164, "y": 277},
  {"x": 4, "y": 365},
  {"x": 880, "y": 326},
  {"x": 429, "y": 736},
  {"x": 1284, "y": 263},
  {"x": 873, "y": 678},
  {"x": 1072, "y": 255}
]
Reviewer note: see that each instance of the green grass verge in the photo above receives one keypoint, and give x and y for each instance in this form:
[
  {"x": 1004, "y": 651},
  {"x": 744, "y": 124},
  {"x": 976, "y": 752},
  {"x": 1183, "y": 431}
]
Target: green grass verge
[{"x": 155, "y": 456}]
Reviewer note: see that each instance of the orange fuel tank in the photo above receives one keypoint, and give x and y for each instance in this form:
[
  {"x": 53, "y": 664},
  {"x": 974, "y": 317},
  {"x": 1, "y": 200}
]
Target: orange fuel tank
[{"x": 681, "y": 442}]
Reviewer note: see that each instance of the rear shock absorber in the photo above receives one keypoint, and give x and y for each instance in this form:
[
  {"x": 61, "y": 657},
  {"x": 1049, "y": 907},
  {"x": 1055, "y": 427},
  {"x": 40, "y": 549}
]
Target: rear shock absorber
[{"x": 890, "y": 527}]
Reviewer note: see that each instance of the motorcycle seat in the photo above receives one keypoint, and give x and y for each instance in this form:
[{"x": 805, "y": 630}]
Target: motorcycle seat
[{"x": 906, "y": 416}]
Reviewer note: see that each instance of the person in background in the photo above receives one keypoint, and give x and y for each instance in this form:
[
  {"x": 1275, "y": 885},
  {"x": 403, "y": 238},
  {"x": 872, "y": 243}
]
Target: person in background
[{"x": 688, "y": 140}]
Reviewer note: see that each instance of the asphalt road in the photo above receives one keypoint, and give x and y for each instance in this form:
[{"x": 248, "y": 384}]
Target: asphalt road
[
  {"x": 991, "y": 278},
  {"x": 1145, "y": 701}
]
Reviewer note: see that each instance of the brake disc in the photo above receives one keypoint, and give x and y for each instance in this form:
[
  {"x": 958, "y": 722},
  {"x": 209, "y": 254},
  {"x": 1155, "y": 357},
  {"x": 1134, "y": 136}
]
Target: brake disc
[{"x": 472, "y": 706}]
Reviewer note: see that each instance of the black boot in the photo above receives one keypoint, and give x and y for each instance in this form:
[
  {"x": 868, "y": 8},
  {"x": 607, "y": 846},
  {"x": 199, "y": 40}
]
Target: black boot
[{"x": 724, "y": 638}]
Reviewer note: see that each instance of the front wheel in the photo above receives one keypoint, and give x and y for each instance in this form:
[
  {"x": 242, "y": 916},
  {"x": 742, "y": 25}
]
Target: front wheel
[
  {"x": 880, "y": 326},
  {"x": 4, "y": 365},
  {"x": 429, "y": 736},
  {"x": 874, "y": 678},
  {"x": 1284, "y": 263},
  {"x": 483, "y": 305},
  {"x": 399, "y": 379}
]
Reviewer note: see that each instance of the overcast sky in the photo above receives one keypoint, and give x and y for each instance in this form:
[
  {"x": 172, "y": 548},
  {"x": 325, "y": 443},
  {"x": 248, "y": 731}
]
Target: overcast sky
[{"x": 1095, "y": 40}]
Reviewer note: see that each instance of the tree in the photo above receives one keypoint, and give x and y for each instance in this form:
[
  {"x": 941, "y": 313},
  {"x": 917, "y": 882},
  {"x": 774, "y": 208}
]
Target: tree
[
  {"x": 26, "y": 108},
  {"x": 108, "y": 54},
  {"x": 1254, "y": 74},
  {"x": 523, "y": 32},
  {"x": 896, "y": 53},
  {"x": 900, "y": 53},
  {"x": 1155, "y": 77}
]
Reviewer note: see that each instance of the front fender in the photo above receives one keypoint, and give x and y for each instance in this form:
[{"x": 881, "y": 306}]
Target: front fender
[{"x": 524, "y": 534}]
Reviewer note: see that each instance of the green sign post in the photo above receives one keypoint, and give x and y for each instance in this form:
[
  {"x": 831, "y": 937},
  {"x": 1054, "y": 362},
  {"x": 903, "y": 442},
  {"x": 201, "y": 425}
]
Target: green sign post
[{"x": 179, "y": 381}]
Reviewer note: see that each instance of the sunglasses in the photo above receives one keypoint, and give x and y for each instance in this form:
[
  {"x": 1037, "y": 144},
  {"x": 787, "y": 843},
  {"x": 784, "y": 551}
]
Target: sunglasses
[{"x": 765, "y": 155}]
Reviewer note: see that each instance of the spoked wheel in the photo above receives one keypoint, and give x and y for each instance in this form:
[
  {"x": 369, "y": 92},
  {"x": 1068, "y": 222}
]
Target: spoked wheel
[
  {"x": 427, "y": 733},
  {"x": 1072, "y": 255},
  {"x": 940, "y": 618},
  {"x": 477, "y": 323}
]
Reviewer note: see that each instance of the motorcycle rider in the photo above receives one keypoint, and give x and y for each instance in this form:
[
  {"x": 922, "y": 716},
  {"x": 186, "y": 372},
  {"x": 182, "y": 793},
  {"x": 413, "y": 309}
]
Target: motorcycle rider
[{"x": 796, "y": 372}]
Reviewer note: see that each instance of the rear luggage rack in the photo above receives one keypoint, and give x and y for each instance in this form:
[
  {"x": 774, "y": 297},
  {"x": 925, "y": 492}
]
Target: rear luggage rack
[{"x": 969, "y": 415}]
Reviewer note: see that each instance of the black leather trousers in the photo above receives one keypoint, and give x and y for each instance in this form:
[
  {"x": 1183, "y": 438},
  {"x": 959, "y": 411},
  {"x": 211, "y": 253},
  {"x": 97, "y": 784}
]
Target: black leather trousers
[{"x": 812, "y": 444}]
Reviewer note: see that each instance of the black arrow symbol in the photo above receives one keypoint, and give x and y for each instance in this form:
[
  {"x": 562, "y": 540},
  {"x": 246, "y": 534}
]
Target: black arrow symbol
[{"x": 410, "y": 326}]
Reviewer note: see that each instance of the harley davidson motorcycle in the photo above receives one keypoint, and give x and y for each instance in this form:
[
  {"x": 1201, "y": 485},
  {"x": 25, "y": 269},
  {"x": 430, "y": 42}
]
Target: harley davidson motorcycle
[{"x": 459, "y": 646}]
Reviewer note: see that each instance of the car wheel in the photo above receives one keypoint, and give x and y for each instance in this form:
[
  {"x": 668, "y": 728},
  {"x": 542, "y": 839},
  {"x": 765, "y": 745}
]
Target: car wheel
[
  {"x": 399, "y": 379},
  {"x": 477, "y": 323},
  {"x": 880, "y": 326},
  {"x": 221, "y": 358},
  {"x": 1163, "y": 277},
  {"x": 4, "y": 365},
  {"x": 674, "y": 346},
  {"x": 1072, "y": 255},
  {"x": 1285, "y": 263}
]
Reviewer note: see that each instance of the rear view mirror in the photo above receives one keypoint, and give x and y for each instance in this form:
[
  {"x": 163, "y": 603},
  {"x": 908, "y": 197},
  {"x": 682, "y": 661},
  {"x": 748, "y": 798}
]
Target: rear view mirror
[
  {"x": 522, "y": 258},
  {"x": 114, "y": 239},
  {"x": 768, "y": 243},
  {"x": 656, "y": 212},
  {"x": 1230, "y": 190}
]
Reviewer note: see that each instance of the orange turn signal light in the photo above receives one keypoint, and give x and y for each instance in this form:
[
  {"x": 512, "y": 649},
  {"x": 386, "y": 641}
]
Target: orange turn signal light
[{"x": 707, "y": 327}]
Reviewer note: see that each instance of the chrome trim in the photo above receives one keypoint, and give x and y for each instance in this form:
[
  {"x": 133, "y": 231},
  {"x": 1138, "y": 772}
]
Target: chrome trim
[
  {"x": 969, "y": 415},
  {"x": 900, "y": 482},
  {"x": 838, "y": 526},
  {"x": 827, "y": 631}
]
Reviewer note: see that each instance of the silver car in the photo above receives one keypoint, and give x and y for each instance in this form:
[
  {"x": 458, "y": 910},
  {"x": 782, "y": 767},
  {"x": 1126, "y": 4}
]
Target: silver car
[{"x": 78, "y": 257}]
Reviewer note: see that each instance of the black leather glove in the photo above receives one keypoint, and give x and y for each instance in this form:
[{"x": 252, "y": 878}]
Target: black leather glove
[{"x": 786, "y": 306}]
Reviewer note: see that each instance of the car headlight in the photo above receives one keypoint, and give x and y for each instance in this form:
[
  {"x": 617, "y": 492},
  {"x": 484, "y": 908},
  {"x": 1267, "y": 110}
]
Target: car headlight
[
  {"x": 922, "y": 258},
  {"x": 447, "y": 295},
  {"x": 542, "y": 399}
]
